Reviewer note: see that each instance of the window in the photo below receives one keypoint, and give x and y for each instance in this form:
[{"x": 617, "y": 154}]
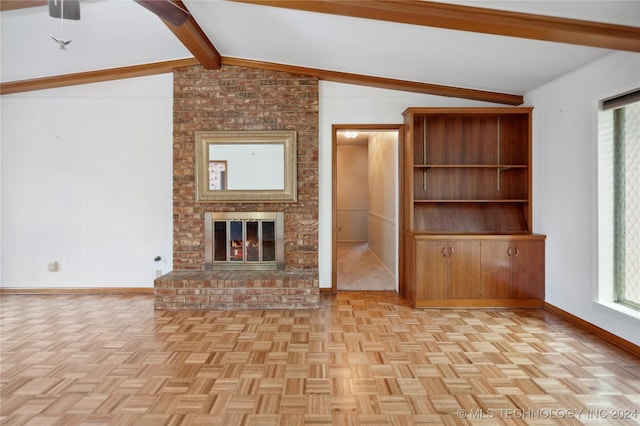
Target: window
[{"x": 619, "y": 199}]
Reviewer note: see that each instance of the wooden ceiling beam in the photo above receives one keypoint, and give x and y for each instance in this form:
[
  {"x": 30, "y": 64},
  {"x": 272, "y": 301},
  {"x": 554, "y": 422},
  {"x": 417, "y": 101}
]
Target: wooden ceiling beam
[
  {"x": 338, "y": 77},
  {"x": 474, "y": 19},
  {"x": 194, "y": 39},
  {"x": 383, "y": 83},
  {"x": 94, "y": 76},
  {"x": 20, "y": 4}
]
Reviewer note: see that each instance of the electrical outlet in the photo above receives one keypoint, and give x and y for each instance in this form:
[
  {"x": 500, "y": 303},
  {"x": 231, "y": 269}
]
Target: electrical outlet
[{"x": 158, "y": 273}]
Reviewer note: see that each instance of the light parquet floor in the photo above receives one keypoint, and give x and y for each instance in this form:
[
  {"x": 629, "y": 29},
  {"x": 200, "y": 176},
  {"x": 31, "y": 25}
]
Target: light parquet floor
[{"x": 363, "y": 358}]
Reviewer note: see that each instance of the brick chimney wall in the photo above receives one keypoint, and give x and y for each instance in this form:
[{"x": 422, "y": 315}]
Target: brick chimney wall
[{"x": 237, "y": 98}]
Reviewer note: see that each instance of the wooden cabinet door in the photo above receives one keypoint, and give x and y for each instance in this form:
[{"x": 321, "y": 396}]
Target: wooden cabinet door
[
  {"x": 432, "y": 270},
  {"x": 408, "y": 262},
  {"x": 528, "y": 270},
  {"x": 513, "y": 270},
  {"x": 464, "y": 278},
  {"x": 496, "y": 264}
]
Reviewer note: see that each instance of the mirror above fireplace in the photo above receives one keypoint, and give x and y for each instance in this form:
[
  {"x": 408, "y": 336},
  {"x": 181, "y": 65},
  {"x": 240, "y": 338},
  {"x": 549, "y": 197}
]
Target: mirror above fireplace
[{"x": 246, "y": 166}]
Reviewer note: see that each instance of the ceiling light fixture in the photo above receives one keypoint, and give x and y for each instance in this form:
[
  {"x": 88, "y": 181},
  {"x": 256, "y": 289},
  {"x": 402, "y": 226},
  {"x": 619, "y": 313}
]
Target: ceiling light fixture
[
  {"x": 62, "y": 43},
  {"x": 351, "y": 134},
  {"x": 57, "y": 9}
]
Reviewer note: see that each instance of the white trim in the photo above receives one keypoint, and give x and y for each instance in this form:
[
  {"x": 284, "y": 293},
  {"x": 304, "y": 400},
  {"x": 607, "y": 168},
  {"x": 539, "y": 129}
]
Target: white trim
[
  {"x": 382, "y": 218},
  {"x": 621, "y": 311}
]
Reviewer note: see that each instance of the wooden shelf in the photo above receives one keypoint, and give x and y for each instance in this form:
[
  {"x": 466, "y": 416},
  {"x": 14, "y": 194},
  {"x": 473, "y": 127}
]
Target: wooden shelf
[
  {"x": 471, "y": 166},
  {"x": 466, "y": 181},
  {"x": 475, "y": 235},
  {"x": 472, "y": 201}
]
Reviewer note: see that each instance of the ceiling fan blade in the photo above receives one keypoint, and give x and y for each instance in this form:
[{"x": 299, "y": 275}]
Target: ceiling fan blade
[
  {"x": 70, "y": 8},
  {"x": 167, "y": 10}
]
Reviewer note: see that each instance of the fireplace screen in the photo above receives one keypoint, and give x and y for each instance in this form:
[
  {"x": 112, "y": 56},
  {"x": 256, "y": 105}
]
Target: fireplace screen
[{"x": 244, "y": 241}]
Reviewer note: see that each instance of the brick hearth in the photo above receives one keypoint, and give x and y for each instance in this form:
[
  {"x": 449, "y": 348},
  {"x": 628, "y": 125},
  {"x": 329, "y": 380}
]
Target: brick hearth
[{"x": 237, "y": 290}]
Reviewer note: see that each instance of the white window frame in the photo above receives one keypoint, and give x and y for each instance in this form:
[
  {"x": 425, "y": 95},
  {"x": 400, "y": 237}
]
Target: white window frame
[{"x": 604, "y": 288}]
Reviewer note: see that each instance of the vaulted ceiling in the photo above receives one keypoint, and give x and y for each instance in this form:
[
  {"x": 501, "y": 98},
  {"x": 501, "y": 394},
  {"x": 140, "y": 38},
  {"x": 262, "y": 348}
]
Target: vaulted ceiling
[{"x": 493, "y": 51}]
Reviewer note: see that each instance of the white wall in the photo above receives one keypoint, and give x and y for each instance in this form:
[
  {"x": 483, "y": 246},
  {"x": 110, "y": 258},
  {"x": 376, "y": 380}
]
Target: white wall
[
  {"x": 349, "y": 104},
  {"x": 383, "y": 196},
  {"x": 87, "y": 183},
  {"x": 565, "y": 185}
]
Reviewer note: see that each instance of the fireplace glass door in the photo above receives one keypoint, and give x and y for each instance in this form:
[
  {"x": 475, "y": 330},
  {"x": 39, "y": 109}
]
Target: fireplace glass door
[
  {"x": 244, "y": 241},
  {"x": 252, "y": 242}
]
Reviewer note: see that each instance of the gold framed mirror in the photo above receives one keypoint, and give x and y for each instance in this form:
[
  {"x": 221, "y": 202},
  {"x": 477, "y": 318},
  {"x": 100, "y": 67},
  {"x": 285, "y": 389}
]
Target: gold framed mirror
[{"x": 246, "y": 166}]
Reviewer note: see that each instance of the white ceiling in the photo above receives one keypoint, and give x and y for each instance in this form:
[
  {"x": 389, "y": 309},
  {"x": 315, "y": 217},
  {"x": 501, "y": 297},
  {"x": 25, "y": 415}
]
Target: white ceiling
[
  {"x": 358, "y": 136},
  {"x": 118, "y": 33},
  {"x": 109, "y": 34}
]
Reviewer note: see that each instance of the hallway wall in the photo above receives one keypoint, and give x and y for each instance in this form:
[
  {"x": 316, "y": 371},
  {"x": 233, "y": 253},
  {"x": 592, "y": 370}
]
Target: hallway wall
[
  {"x": 352, "y": 196},
  {"x": 383, "y": 196}
]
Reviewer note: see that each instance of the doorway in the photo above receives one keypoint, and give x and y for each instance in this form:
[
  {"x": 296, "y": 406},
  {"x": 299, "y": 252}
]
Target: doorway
[{"x": 365, "y": 207}]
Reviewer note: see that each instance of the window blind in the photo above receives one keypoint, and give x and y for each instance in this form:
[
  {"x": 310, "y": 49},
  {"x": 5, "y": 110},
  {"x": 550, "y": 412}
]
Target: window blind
[{"x": 621, "y": 100}]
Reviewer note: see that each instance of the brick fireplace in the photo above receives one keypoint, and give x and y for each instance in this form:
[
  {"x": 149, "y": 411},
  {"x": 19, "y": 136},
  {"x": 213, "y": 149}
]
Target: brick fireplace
[{"x": 237, "y": 98}]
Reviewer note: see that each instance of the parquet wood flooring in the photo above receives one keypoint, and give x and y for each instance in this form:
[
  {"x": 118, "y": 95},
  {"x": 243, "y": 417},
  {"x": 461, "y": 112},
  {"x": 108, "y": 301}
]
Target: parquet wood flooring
[{"x": 361, "y": 359}]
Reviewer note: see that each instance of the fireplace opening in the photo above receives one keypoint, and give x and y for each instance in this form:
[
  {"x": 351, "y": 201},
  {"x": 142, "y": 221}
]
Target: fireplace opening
[{"x": 244, "y": 240}]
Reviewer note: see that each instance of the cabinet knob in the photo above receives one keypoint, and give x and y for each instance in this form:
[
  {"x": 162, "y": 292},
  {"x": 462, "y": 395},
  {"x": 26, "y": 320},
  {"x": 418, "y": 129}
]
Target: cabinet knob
[
  {"x": 509, "y": 252},
  {"x": 443, "y": 252}
]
